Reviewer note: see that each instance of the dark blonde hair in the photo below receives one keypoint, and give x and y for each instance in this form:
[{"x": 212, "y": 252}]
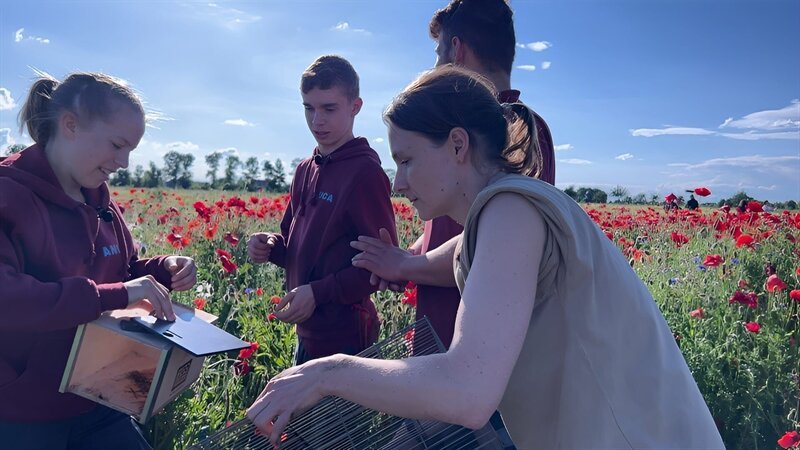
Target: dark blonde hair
[
  {"x": 87, "y": 95},
  {"x": 329, "y": 71},
  {"x": 452, "y": 97}
]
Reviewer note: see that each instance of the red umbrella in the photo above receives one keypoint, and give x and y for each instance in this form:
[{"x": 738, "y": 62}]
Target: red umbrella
[
  {"x": 702, "y": 191},
  {"x": 670, "y": 198}
]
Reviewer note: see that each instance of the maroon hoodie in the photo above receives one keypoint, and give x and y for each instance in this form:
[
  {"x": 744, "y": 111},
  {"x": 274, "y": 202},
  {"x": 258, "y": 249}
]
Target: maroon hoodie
[
  {"x": 334, "y": 199},
  {"x": 440, "y": 304},
  {"x": 60, "y": 266}
]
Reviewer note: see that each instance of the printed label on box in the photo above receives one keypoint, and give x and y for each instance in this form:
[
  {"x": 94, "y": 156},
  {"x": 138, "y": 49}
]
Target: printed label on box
[{"x": 183, "y": 372}]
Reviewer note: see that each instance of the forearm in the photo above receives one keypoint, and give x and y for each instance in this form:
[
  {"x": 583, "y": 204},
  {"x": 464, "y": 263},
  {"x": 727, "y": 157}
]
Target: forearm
[
  {"x": 434, "y": 268},
  {"x": 423, "y": 387}
]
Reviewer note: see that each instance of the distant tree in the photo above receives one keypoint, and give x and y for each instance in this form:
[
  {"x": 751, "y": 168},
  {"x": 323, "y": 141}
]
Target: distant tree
[
  {"x": 639, "y": 199},
  {"x": 618, "y": 192},
  {"x": 152, "y": 176},
  {"x": 791, "y": 204},
  {"x": 122, "y": 177},
  {"x": 591, "y": 195},
  {"x": 571, "y": 192},
  {"x": 293, "y": 165},
  {"x": 138, "y": 176},
  {"x": 251, "y": 172},
  {"x": 655, "y": 199},
  {"x": 213, "y": 160},
  {"x": 735, "y": 200},
  {"x": 14, "y": 148},
  {"x": 390, "y": 173},
  {"x": 279, "y": 180},
  {"x": 232, "y": 164}
]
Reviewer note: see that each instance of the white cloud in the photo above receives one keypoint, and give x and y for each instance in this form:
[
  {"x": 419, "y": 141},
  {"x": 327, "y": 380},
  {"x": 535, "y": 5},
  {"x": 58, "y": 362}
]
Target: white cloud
[
  {"x": 785, "y": 165},
  {"x": 6, "y": 100},
  {"x": 19, "y": 37},
  {"x": 377, "y": 140},
  {"x": 239, "y": 123},
  {"x": 579, "y": 162},
  {"x": 545, "y": 65},
  {"x": 537, "y": 46},
  {"x": 752, "y": 136},
  {"x": 345, "y": 27},
  {"x": 231, "y": 18},
  {"x": 5, "y": 138},
  {"x": 182, "y": 146},
  {"x": 775, "y": 119},
  {"x": 228, "y": 151},
  {"x": 624, "y": 157},
  {"x": 528, "y": 67},
  {"x": 768, "y": 188},
  {"x": 650, "y": 132},
  {"x": 563, "y": 147}
]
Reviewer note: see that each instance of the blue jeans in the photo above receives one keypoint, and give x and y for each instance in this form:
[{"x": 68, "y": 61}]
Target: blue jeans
[{"x": 100, "y": 429}]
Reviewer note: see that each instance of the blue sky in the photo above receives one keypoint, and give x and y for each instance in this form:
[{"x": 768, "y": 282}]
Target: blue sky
[{"x": 656, "y": 95}]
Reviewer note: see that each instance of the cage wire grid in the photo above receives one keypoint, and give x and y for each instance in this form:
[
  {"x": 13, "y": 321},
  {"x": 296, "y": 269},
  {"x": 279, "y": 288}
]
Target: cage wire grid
[{"x": 336, "y": 424}]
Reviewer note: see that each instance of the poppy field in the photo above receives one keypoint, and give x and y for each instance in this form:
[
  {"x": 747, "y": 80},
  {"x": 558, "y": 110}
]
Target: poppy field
[{"x": 728, "y": 283}]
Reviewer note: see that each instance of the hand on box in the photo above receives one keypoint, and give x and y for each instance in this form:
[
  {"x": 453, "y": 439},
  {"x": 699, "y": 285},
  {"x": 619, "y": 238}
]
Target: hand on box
[{"x": 148, "y": 289}]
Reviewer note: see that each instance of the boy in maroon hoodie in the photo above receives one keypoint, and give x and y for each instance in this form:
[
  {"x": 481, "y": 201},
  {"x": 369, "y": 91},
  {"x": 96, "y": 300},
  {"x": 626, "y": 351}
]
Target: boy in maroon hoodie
[
  {"x": 337, "y": 194},
  {"x": 66, "y": 256}
]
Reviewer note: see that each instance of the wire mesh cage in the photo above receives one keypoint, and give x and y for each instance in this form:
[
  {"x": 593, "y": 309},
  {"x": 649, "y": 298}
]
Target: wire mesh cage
[{"x": 336, "y": 424}]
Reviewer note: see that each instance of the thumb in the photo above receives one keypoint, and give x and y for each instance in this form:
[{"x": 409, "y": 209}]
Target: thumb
[
  {"x": 271, "y": 240},
  {"x": 285, "y": 301},
  {"x": 385, "y": 236},
  {"x": 171, "y": 264}
]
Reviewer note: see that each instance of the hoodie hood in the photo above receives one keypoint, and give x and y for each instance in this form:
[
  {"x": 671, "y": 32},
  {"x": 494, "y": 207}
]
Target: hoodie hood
[
  {"x": 32, "y": 169},
  {"x": 319, "y": 164}
]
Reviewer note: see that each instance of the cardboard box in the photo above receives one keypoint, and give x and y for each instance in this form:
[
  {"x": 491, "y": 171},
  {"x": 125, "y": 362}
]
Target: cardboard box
[{"x": 130, "y": 362}]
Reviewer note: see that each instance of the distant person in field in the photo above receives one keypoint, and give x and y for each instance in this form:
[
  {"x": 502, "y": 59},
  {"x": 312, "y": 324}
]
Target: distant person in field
[
  {"x": 572, "y": 360},
  {"x": 66, "y": 256},
  {"x": 477, "y": 35},
  {"x": 742, "y": 207},
  {"x": 692, "y": 203},
  {"x": 337, "y": 194}
]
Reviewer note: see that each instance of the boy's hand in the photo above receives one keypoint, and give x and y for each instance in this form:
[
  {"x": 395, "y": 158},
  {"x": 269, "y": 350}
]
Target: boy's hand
[
  {"x": 301, "y": 305},
  {"x": 147, "y": 289},
  {"x": 259, "y": 246},
  {"x": 183, "y": 270}
]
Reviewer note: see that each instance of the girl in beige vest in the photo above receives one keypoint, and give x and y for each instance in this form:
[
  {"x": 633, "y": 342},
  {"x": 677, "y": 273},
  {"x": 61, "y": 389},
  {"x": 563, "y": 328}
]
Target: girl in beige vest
[{"x": 554, "y": 329}]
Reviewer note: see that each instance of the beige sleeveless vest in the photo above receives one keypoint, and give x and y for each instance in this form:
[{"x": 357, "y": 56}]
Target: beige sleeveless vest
[{"x": 599, "y": 367}]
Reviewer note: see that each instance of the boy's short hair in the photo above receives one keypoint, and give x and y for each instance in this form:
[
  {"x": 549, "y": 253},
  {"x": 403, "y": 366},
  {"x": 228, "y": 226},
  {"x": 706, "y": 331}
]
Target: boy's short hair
[
  {"x": 329, "y": 71},
  {"x": 486, "y": 26}
]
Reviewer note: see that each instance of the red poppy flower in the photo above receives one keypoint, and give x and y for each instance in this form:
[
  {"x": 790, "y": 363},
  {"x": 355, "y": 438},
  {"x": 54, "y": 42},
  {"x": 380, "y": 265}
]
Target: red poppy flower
[
  {"x": 410, "y": 295},
  {"x": 225, "y": 259},
  {"x": 774, "y": 283},
  {"x": 795, "y": 295},
  {"x": 713, "y": 260},
  {"x": 259, "y": 292},
  {"x": 790, "y": 440},
  {"x": 275, "y": 299},
  {"x": 749, "y": 299},
  {"x": 679, "y": 239},
  {"x": 744, "y": 240},
  {"x": 241, "y": 368},
  {"x": 753, "y": 327},
  {"x": 246, "y": 353},
  {"x": 271, "y": 317},
  {"x": 742, "y": 283},
  {"x": 177, "y": 240},
  {"x": 702, "y": 191},
  {"x": 754, "y": 207},
  {"x": 698, "y": 313},
  {"x": 199, "y": 303},
  {"x": 231, "y": 239}
]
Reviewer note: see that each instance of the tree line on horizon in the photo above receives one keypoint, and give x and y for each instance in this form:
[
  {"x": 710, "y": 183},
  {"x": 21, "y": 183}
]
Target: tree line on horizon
[{"x": 253, "y": 175}]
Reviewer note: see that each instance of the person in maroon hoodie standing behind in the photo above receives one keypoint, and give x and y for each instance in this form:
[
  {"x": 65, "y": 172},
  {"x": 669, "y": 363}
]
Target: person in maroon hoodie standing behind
[
  {"x": 66, "y": 256},
  {"x": 337, "y": 194},
  {"x": 477, "y": 35}
]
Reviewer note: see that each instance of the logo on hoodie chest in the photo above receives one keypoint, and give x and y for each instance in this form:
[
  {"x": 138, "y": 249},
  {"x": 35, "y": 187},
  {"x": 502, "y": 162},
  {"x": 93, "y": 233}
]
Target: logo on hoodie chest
[
  {"x": 109, "y": 250},
  {"x": 325, "y": 196}
]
